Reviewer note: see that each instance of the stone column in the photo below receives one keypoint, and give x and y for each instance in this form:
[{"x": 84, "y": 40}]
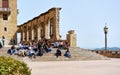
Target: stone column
[
  {"x": 46, "y": 26},
  {"x": 46, "y": 30},
  {"x": 56, "y": 24},
  {"x": 27, "y": 34},
  {"x": 38, "y": 33},
  {"x": 32, "y": 34},
  {"x": 71, "y": 38},
  {"x": 49, "y": 29}
]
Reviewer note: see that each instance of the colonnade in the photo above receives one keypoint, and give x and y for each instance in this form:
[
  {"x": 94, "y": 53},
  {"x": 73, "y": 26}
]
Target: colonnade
[{"x": 46, "y": 25}]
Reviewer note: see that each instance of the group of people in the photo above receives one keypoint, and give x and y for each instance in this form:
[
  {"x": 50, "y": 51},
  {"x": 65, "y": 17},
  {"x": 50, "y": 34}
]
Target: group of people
[
  {"x": 40, "y": 48},
  {"x": 66, "y": 54}
]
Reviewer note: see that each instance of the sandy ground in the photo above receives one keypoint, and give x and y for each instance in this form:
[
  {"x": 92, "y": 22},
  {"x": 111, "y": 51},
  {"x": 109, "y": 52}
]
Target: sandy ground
[{"x": 93, "y": 67}]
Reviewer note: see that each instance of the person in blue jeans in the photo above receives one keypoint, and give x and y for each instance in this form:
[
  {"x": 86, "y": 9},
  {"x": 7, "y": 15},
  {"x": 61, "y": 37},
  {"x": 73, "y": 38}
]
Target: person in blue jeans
[
  {"x": 32, "y": 53},
  {"x": 11, "y": 50},
  {"x": 67, "y": 53}
]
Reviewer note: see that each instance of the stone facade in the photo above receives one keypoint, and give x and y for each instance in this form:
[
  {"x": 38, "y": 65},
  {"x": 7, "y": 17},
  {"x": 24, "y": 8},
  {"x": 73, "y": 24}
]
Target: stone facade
[
  {"x": 8, "y": 20},
  {"x": 46, "y": 25},
  {"x": 71, "y": 38}
]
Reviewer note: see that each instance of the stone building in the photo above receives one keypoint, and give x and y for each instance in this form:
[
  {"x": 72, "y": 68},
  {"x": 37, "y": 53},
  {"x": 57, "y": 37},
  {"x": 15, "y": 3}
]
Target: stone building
[{"x": 8, "y": 20}]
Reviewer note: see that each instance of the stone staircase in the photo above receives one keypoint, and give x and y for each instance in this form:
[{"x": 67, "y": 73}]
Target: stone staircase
[
  {"x": 84, "y": 54},
  {"x": 76, "y": 53}
]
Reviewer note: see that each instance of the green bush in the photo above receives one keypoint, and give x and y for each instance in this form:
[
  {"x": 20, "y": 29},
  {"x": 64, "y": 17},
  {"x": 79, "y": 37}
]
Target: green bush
[{"x": 10, "y": 66}]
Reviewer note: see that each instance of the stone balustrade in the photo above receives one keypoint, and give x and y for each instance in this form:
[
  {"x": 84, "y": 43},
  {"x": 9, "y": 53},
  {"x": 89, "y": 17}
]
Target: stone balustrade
[{"x": 109, "y": 53}]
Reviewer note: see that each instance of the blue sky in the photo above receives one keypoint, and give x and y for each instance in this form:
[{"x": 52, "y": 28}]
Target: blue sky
[{"x": 86, "y": 17}]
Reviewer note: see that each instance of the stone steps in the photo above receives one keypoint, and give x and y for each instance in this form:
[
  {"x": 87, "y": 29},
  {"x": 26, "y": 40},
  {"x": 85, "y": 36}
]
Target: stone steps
[
  {"x": 76, "y": 53},
  {"x": 89, "y": 55}
]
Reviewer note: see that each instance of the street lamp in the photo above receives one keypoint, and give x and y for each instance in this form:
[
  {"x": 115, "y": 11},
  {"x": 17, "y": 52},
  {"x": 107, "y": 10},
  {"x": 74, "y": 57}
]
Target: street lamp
[{"x": 105, "y": 32}]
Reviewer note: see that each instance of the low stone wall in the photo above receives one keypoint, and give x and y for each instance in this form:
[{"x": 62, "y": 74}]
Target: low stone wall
[{"x": 109, "y": 53}]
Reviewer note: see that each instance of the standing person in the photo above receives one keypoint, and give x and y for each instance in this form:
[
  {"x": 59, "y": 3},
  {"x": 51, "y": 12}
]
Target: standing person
[
  {"x": 3, "y": 39},
  {"x": 0, "y": 44}
]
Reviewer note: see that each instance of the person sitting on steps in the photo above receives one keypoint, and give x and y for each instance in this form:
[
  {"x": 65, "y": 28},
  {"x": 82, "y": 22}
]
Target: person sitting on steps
[
  {"x": 32, "y": 53},
  {"x": 12, "y": 50},
  {"x": 58, "y": 52},
  {"x": 67, "y": 53}
]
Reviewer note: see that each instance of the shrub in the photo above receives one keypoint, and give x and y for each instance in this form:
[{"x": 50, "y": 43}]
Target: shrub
[{"x": 10, "y": 66}]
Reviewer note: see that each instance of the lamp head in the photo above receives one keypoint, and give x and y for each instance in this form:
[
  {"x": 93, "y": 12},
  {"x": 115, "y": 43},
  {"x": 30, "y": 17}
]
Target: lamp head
[{"x": 105, "y": 29}]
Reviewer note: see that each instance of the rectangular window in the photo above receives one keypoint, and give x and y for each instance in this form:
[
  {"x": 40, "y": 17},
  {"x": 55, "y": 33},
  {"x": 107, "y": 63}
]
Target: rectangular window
[
  {"x": 5, "y": 17},
  {"x": 5, "y": 28},
  {"x": 5, "y": 3}
]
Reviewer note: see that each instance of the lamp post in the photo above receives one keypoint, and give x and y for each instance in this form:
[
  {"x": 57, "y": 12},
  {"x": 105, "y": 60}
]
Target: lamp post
[{"x": 105, "y": 32}]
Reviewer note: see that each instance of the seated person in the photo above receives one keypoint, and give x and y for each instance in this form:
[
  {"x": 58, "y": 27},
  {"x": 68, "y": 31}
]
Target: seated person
[
  {"x": 22, "y": 46},
  {"x": 49, "y": 48},
  {"x": 58, "y": 52},
  {"x": 26, "y": 47},
  {"x": 32, "y": 53},
  {"x": 22, "y": 52},
  {"x": 56, "y": 44},
  {"x": 40, "y": 52},
  {"x": 12, "y": 50},
  {"x": 45, "y": 48},
  {"x": 26, "y": 52},
  {"x": 19, "y": 45},
  {"x": 67, "y": 54},
  {"x": 9, "y": 51}
]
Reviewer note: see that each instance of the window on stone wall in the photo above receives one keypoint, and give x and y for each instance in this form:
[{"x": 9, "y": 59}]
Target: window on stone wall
[
  {"x": 5, "y": 3},
  {"x": 5, "y": 28},
  {"x": 5, "y": 17}
]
